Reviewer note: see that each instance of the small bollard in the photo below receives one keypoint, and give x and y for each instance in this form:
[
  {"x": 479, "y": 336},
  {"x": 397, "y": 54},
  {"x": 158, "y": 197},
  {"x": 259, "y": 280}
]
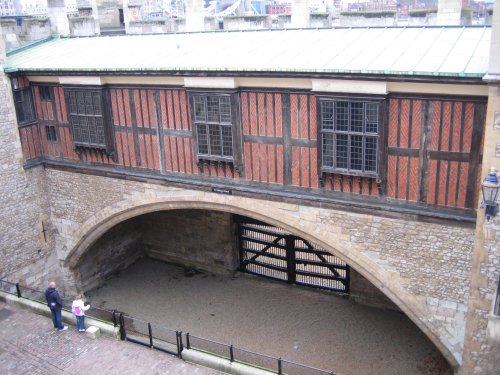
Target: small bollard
[{"x": 93, "y": 332}]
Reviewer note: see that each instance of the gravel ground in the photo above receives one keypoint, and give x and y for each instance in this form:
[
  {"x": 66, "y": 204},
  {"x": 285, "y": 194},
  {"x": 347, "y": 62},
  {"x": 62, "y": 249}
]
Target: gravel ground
[{"x": 301, "y": 324}]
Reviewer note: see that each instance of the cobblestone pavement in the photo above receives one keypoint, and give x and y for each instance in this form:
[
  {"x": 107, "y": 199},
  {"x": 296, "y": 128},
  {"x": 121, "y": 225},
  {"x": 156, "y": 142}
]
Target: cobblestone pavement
[{"x": 30, "y": 345}]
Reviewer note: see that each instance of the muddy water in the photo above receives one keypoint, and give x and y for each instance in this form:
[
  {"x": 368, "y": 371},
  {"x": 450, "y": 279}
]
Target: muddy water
[{"x": 301, "y": 324}]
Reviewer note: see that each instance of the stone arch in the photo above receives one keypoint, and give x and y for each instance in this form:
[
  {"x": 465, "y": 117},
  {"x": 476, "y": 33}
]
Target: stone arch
[{"x": 301, "y": 221}]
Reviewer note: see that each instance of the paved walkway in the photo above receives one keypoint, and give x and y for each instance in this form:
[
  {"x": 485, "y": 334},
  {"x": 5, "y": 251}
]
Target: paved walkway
[{"x": 30, "y": 345}]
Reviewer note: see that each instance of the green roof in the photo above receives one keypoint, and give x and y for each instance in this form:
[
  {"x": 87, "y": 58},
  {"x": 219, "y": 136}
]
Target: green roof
[{"x": 428, "y": 51}]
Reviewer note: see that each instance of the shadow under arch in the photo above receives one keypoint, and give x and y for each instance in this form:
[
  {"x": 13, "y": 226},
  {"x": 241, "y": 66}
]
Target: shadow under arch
[{"x": 100, "y": 223}]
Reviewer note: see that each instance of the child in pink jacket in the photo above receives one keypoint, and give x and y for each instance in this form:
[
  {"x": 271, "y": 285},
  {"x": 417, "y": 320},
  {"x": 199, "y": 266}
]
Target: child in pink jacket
[{"x": 78, "y": 308}]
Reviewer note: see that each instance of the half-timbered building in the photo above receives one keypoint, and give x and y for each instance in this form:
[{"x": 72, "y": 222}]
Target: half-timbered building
[{"x": 363, "y": 144}]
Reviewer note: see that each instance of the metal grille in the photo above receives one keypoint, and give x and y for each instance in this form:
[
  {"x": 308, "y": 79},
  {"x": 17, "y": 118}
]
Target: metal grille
[
  {"x": 349, "y": 136},
  {"x": 86, "y": 117},
  {"x": 272, "y": 252}
]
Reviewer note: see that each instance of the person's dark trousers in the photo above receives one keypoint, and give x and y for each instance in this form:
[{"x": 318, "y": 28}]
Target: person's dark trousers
[
  {"x": 80, "y": 323},
  {"x": 57, "y": 318}
]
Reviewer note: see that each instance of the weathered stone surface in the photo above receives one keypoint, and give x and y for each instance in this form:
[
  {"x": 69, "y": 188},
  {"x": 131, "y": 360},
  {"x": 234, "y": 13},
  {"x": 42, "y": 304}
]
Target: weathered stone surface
[
  {"x": 409, "y": 261},
  {"x": 24, "y": 207}
]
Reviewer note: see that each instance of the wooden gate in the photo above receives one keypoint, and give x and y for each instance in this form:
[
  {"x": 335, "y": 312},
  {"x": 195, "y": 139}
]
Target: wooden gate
[{"x": 272, "y": 252}]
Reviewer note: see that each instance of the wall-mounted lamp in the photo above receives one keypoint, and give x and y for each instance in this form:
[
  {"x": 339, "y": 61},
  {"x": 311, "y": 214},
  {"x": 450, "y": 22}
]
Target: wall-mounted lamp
[{"x": 490, "y": 189}]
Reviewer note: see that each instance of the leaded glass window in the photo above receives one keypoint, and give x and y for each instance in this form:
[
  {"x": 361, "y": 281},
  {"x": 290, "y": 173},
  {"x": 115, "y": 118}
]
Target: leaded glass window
[
  {"x": 86, "y": 117},
  {"x": 214, "y": 128},
  {"x": 23, "y": 101},
  {"x": 349, "y": 136}
]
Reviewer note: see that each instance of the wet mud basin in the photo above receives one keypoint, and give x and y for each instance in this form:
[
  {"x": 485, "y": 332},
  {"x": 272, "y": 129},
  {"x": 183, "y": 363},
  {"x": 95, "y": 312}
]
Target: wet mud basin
[{"x": 301, "y": 324}]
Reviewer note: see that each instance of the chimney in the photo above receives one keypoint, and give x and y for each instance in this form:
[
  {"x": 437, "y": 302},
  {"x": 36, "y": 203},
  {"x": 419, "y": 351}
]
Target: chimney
[
  {"x": 449, "y": 12},
  {"x": 59, "y": 23},
  {"x": 3, "y": 51},
  {"x": 301, "y": 14},
  {"x": 195, "y": 15}
]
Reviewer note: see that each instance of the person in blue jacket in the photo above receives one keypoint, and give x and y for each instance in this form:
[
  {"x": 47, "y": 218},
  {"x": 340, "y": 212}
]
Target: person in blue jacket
[{"x": 54, "y": 302}]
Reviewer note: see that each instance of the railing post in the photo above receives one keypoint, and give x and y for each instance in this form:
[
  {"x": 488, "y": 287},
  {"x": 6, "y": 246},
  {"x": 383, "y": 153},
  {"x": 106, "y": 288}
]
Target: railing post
[
  {"x": 18, "y": 290},
  {"x": 188, "y": 343},
  {"x": 279, "y": 367},
  {"x": 115, "y": 322},
  {"x": 179, "y": 343},
  {"x": 231, "y": 354},
  {"x": 150, "y": 335},
  {"x": 123, "y": 333}
]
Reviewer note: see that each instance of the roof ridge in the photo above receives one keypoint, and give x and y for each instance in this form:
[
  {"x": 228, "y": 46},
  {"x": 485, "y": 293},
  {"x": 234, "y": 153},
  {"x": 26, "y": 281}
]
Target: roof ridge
[{"x": 32, "y": 44}]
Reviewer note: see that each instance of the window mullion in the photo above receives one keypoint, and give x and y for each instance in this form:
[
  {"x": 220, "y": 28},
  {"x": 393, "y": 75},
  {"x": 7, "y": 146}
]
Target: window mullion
[
  {"x": 363, "y": 151},
  {"x": 221, "y": 140},
  {"x": 207, "y": 129}
]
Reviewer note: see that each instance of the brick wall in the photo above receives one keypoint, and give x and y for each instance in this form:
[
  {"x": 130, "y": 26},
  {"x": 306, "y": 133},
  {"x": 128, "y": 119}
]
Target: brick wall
[{"x": 200, "y": 239}]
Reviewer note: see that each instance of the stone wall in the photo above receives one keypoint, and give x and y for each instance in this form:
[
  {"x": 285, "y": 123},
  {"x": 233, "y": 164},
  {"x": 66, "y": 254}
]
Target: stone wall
[
  {"x": 198, "y": 239},
  {"x": 363, "y": 292},
  {"x": 482, "y": 348},
  {"x": 83, "y": 26},
  {"x": 115, "y": 251},
  {"x": 423, "y": 267},
  {"x": 247, "y": 22},
  {"x": 24, "y": 207}
]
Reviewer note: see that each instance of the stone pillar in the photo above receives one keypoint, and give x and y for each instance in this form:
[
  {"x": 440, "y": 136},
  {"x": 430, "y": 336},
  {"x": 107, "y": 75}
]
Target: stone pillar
[
  {"x": 59, "y": 23},
  {"x": 195, "y": 15},
  {"x": 449, "y": 12},
  {"x": 482, "y": 335},
  {"x": 87, "y": 22},
  {"x": 301, "y": 14},
  {"x": 131, "y": 12},
  {"x": 3, "y": 52},
  {"x": 18, "y": 7}
]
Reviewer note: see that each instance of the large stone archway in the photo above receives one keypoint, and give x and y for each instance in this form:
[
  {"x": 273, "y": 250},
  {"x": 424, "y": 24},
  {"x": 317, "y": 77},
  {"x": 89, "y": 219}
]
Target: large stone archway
[{"x": 339, "y": 232}]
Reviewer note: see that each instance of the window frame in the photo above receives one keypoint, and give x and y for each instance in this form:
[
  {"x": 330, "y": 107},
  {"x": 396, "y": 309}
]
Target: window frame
[
  {"x": 45, "y": 93},
  {"x": 20, "y": 105},
  {"x": 233, "y": 101},
  {"x": 51, "y": 133},
  {"x": 107, "y": 144},
  {"x": 379, "y": 154}
]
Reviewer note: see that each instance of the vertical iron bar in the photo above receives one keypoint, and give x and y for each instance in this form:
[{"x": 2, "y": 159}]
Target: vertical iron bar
[
  {"x": 290, "y": 258},
  {"x": 347, "y": 283},
  {"x": 115, "y": 323},
  {"x": 231, "y": 354},
  {"x": 123, "y": 333},
  {"x": 150, "y": 335},
  {"x": 279, "y": 367},
  {"x": 177, "y": 343},
  {"x": 18, "y": 289},
  {"x": 240, "y": 246},
  {"x": 188, "y": 343},
  {"x": 180, "y": 341}
]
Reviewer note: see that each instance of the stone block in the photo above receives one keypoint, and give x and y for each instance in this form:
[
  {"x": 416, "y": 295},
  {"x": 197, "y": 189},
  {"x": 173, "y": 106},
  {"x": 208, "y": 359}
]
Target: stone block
[{"x": 93, "y": 332}]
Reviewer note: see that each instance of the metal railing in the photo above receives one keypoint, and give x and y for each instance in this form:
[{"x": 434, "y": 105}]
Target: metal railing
[{"x": 171, "y": 341}]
